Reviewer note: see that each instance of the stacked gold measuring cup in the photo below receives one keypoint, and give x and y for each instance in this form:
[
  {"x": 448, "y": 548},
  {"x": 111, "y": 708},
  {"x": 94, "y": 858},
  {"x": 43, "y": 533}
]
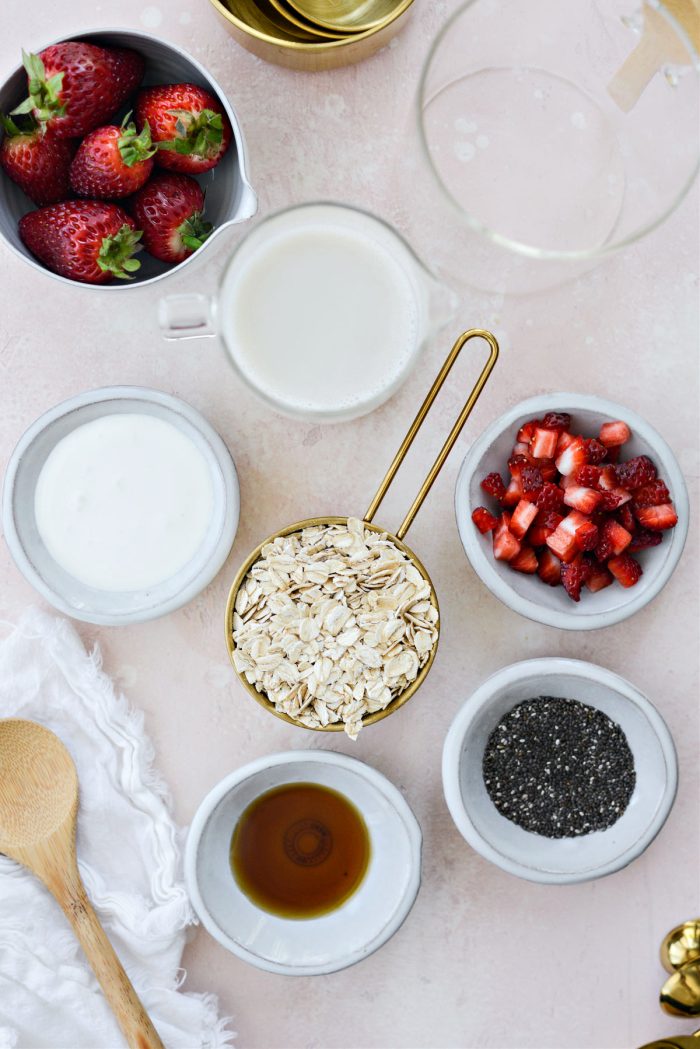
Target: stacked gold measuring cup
[{"x": 313, "y": 34}]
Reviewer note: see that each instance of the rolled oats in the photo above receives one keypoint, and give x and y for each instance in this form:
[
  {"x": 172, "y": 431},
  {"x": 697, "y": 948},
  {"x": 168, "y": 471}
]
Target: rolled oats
[{"x": 332, "y": 623}]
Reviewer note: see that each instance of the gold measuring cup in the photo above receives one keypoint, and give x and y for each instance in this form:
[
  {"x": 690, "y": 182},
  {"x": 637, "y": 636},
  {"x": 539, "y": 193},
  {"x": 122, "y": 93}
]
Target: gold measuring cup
[{"x": 403, "y": 697}]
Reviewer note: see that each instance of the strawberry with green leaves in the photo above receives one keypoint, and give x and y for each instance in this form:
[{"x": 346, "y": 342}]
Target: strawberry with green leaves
[
  {"x": 169, "y": 210},
  {"x": 86, "y": 240},
  {"x": 75, "y": 86},
  {"x": 36, "y": 160},
  {"x": 188, "y": 124},
  {"x": 112, "y": 162}
]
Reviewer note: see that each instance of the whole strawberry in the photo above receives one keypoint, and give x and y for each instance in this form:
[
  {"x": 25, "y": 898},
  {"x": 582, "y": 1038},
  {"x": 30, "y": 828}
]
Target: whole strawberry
[
  {"x": 36, "y": 160},
  {"x": 86, "y": 240},
  {"x": 188, "y": 124},
  {"x": 169, "y": 211},
  {"x": 74, "y": 86},
  {"x": 112, "y": 161}
]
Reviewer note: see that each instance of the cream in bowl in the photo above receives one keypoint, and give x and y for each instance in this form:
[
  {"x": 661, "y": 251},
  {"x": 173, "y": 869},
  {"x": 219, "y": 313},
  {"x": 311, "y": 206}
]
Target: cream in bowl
[
  {"x": 559, "y": 771},
  {"x": 120, "y": 504},
  {"x": 304, "y": 862}
]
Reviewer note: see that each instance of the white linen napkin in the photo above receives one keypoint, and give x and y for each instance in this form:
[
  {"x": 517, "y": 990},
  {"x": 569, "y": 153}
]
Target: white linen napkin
[{"x": 129, "y": 852}]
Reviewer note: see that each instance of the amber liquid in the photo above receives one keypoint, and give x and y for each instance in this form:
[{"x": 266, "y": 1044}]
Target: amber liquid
[{"x": 300, "y": 850}]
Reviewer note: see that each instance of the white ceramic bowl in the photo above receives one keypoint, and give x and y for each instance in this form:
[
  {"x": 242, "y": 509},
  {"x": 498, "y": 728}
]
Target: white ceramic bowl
[
  {"x": 32, "y": 558},
  {"x": 527, "y": 594},
  {"x": 229, "y": 196},
  {"x": 335, "y": 940},
  {"x": 563, "y": 860}
]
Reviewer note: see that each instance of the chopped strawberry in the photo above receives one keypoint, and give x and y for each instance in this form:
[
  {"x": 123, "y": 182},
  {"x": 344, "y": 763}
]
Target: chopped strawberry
[
  {"x": 625, "y": 569},
  {"x": 523, "y": 516},
  {"x": 613, "y": 539},
  {"x": 516, "y": 464},
  {"x": 547, "y": 468},
  {"x": 573, "y": 457},
  {"x": 613, "y": 434},
  {"x": 574, "y": 575},
  {"x": 653, "y": 494},
  {"x": 549, "y": 497},
  {"x": 588, "y": 476},
  {"x": 595, "y": 451},
  {"x": 598, "y": 578},
  {"x": 525, "y": 561},
  {"x": 521, "y": 448},
  {"x": 484, "y": 520},
  {"x": 493, "y": 484},
  {"x": 583, "y": 499},
  {"x": 565, "y": 439},
  {"x": 549, "y": 569},
  {"x": 627, "y": 518},
  {"x": 658, "y": 518},
  {"x": 557, "y": 421},
  {"x": 505, "y": 545},
  {"x": 531, "y": 480},
  {"x": 527, "y": 430},
  {"x": 546, "y": 522},
  {"x": 513, "y": 493},
  {"x": 582, "y": 528},
  {"x": 636, "y": 472},
  {"x": 643, "y": 539},
  {"x": 613, "y": 454},
  {"x": 563, "y": 543},
  {"x": 544, "y": 444}
]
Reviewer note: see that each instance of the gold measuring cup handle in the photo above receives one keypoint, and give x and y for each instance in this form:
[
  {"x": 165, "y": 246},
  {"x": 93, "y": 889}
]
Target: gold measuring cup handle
[{"x": 473, "y": 333}]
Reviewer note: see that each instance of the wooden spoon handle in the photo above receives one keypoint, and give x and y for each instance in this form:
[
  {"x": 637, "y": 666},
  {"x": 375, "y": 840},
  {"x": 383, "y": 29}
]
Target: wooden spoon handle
[{"x": 116, "y": 985}]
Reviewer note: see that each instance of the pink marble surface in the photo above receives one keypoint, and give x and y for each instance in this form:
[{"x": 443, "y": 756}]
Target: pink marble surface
[{"x": 484, "y": 960}]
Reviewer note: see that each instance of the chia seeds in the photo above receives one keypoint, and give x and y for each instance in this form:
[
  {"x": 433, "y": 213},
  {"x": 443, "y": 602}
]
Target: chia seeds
[{"x": 559, "y": 768}]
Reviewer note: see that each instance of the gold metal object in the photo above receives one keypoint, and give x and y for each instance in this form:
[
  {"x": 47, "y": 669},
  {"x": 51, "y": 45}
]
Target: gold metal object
[
  {"x": 681, "y": 945},
  {"x": 683, "y": 1041},
  {"x": 350, "y": 16},
  {"x": 258, "y": 27},
  {"x": 291, "y": 17},
  {"x": 680, "y": 995},
  {"x": 473, "y": 333}
]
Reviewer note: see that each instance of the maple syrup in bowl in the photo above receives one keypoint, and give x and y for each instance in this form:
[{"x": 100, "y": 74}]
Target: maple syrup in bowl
[{"x": 303, "y": 862}]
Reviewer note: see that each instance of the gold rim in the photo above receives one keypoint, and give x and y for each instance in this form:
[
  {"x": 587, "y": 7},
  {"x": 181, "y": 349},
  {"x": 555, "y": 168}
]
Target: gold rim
[
  {"x": 260, "y": 697},
  {"x": 309, "y": 48}
]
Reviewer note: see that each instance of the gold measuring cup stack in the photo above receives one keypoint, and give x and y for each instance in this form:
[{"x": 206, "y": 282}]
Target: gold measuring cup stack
[{"x": 368, "y": 521}]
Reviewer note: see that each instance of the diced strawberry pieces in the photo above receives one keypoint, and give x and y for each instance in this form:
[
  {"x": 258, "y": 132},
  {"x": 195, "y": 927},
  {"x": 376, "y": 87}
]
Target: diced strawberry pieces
[
  {"x": 527, "y": 430},
  {"x": 595, "y": 451},
  {"x": 546, "y": 522},
  {"x": 516, "y": 464},
  {"x": 548, "y": 469},
  {"x": 513, "y": 493},
  {"x": 505, "y": 545},
  {"x": 625, "y": 569},
  {"x": 613, "y": 434},
  {"x": 627, "y": 518},
  {"x": 493, "y": 485},
  {"x": 531, "y": 479},
  {"x": 549, "y": 569},
  {"x": 525, "y": 561},
  {"x": 565, "y": 439},
  {"x": 635, "y": 473},
  {"x": 572, "y": 458},
  {"x": 557, "y": 421},
  {"x": 523, "y": 516},
  {"x": 544, "y": 444},
  {"x": 653, "y": 494},
  {"x": 562, "y": 543},
  {"x": 643, "y": 539},
  {"x": 574, "y": 575},
  {"x": 612, "y": 541},
  {"x": 583, "y": 499},
  {"x": 484, "y": 520},
  {"x": 607, "y": 479},
  {"x": 588, "y": 476},
  {"x": 521, "y": 448},
  {"x": 657, "y": 518},
  {"x": 582, "y": 529},
  {"x": 598, "y": 578},
  {"x": 549, "y": 496}
]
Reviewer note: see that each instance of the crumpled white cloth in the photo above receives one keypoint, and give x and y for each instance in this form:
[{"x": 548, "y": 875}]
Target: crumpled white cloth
[{"x": 129, "y": 852}]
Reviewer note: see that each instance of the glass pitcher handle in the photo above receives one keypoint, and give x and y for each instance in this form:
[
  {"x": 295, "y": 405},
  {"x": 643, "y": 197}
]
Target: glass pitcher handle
[{"x": 189, "y": 316}]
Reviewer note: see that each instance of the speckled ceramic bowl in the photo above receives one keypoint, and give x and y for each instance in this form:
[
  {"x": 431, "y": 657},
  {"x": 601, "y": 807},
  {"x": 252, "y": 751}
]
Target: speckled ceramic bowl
[{"x": 230, "y": 197}]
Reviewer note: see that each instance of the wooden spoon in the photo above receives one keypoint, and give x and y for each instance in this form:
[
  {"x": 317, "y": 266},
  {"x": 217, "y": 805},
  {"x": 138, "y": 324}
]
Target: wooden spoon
[{"x": 38, "y": 810}]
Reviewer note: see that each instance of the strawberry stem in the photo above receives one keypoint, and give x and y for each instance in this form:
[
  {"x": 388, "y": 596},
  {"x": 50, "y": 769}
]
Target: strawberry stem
[
  {"x": 116, "y": 253},
  {"x": 198, "y": 134},
  {"x": 133, "y": 147},
  {"x": 194, "y": 230},
  {"x": 44, "y": 95}
]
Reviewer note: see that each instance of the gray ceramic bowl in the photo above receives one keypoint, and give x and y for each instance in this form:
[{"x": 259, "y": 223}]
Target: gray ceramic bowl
[{"x": 230, "y": 197}]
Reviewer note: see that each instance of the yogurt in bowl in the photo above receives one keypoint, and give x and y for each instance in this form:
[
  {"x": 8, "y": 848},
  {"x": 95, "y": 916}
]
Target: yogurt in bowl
[{"x": 120, "y": 505}]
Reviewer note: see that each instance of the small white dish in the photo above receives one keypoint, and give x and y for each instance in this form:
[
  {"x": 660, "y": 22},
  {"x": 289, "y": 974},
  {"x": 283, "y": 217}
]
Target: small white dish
[
  {"x": 62, "y": 590},
  {"x": 527, "y": 594},
  {"x": 559, "y": 861},
  {"x": 308, "y": 947}
]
